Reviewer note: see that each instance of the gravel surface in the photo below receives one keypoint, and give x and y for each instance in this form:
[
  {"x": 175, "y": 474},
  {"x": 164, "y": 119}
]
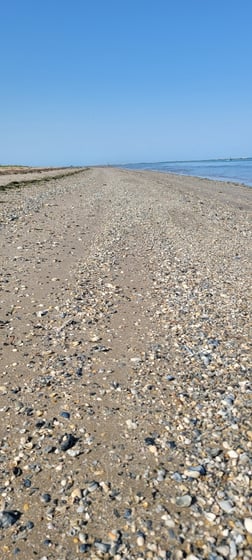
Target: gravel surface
[{"x": 125, "y": 389}]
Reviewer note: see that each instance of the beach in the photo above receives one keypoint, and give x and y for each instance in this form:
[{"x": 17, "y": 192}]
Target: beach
[{"x": 125, "y": 389}]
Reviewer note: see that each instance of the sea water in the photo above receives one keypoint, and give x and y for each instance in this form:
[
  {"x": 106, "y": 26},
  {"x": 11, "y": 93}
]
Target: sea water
[{"x": 237, "y": 170}]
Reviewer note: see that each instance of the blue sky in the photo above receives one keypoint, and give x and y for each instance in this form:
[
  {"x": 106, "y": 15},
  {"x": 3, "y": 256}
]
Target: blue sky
[{"x": 114, "y": 81}]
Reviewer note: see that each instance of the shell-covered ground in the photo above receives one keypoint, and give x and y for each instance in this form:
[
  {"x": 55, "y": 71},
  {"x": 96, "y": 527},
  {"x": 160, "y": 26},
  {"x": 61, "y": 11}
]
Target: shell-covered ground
[{"x": 125, "y": 390}]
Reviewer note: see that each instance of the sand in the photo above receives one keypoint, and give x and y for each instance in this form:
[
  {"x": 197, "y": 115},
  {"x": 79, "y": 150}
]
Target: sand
[{"x": 125, "y": 350}]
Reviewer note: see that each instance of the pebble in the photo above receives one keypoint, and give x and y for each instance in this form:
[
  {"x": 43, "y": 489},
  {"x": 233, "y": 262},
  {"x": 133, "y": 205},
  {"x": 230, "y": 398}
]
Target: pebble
[
  {"x": 131, "y": 425},
  {"x": 74, "y": 452},
  {"x": 102, "y": 547},
  {"x": 46, "y": 498},
  {"x": 84, "y": 547},
  {"x": 127, "y": 513},
  {"x": 149, "y": 441},
  {"x": 184, "y": 501},
  {"x": 65, "y": 414},
  {"x": 248, "y": 524},
  {"x": 67, "y": 441},
  {"x": 140, "y": 541},
  {"x": 224, "y": 551},
  {"x": 226, "y": 506},
  {"x": 169, "y": 522},
  {"x": 76, "y": 493},
  {"x": 210, "y": 516},
  {"x": 92, "y": 486},
  {"x": 29, "y": 525},
  {"x": 8, "y": 518},
  {"x": 195, "y": 472},
  {"x": 42, "y": 313}
]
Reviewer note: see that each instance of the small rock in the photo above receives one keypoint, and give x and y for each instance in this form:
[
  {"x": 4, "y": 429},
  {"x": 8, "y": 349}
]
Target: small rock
[
  {"x": 176, "y": 476},
  {"x": 67, "y": 441},
  {"x": 206, "y": 359},
  {"x": 210, "y": 516},
  {"x": 42, "y": 313},
  {"x": 76, "y": 493},
  {"x": 8, "y": 518},
  {"x": 232, "y": 454},
  {"x": 92, "y": 486},
  {"x": 149, "y": 441},
  {"x": 49, "y": 449},
  {"x": 46, "y": 498},
  {"x": 153, "y": 449},
  {"x": 140, "y": 541},
  {"x": 65, "y": 414},
  {"x": 3, "y": 390},
  {"x": 248, "y": 524},
  {"x": 226, "y": 506},
  {"x": 102, "y": 547},
  {"x": 161, "y": 474},
  {"x": 83, "y": 537},
  {"x": 168, "y": 521},
  {"x": 131, "y": 425},
  {"x": 223, "y": 550},
  {"x": 195, "y": 472},
  {"x": 84, "y": 547},
  {"x": 136, "y": 361},
  {"x": 74, "y": 452},
  {"x": 233, "y": 550},
  {"x": 127, "y": 513},
  {"x": 29, "y": 525},
  {"x": 184, "y": 501},
  {"x": 94, "y": 338}
]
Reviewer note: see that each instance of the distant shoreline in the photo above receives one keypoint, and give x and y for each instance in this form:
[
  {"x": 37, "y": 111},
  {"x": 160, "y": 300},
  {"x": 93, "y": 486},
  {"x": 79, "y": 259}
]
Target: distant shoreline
[
  {"x": 184, "y": 175},
  {"x": 238, "y": 171}
]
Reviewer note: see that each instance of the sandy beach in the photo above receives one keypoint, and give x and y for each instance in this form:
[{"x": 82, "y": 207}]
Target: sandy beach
[{"x": 125, "y": 389}]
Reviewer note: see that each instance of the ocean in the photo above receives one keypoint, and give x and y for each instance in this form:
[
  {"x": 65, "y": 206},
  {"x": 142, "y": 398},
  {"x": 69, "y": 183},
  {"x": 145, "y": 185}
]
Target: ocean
[{"x": 237, "y": 170}]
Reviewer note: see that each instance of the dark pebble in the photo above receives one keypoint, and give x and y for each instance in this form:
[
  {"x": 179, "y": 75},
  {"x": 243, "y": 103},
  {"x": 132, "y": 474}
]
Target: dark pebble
[
  {"x": 127, "y": 513},
  {"x": 49, "y": 449},
  {"x": 65, "y": 414},
  {"x": 8, "y": 518},
  {"x": 46, "y": 498},
  {"x": 67, "y": 441},
  {"x": 83, "y": 547},
  {"x": 17, "y": 471},
  {"x": 171, "y": 444},
  {"x": 29, "y": 411},
  {"x": 149, "y": 441},
  {"x": 27, "y": 483},
  {"x": 40, "y": 424}
]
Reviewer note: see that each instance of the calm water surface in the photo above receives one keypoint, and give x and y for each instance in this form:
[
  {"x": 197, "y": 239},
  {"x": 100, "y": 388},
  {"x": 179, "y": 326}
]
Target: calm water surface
[{"x": 234, "y": 170}]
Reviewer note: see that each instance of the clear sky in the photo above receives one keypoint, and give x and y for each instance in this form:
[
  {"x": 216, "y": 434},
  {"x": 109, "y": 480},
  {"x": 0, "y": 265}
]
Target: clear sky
[{"x": 115, "y": 81}]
